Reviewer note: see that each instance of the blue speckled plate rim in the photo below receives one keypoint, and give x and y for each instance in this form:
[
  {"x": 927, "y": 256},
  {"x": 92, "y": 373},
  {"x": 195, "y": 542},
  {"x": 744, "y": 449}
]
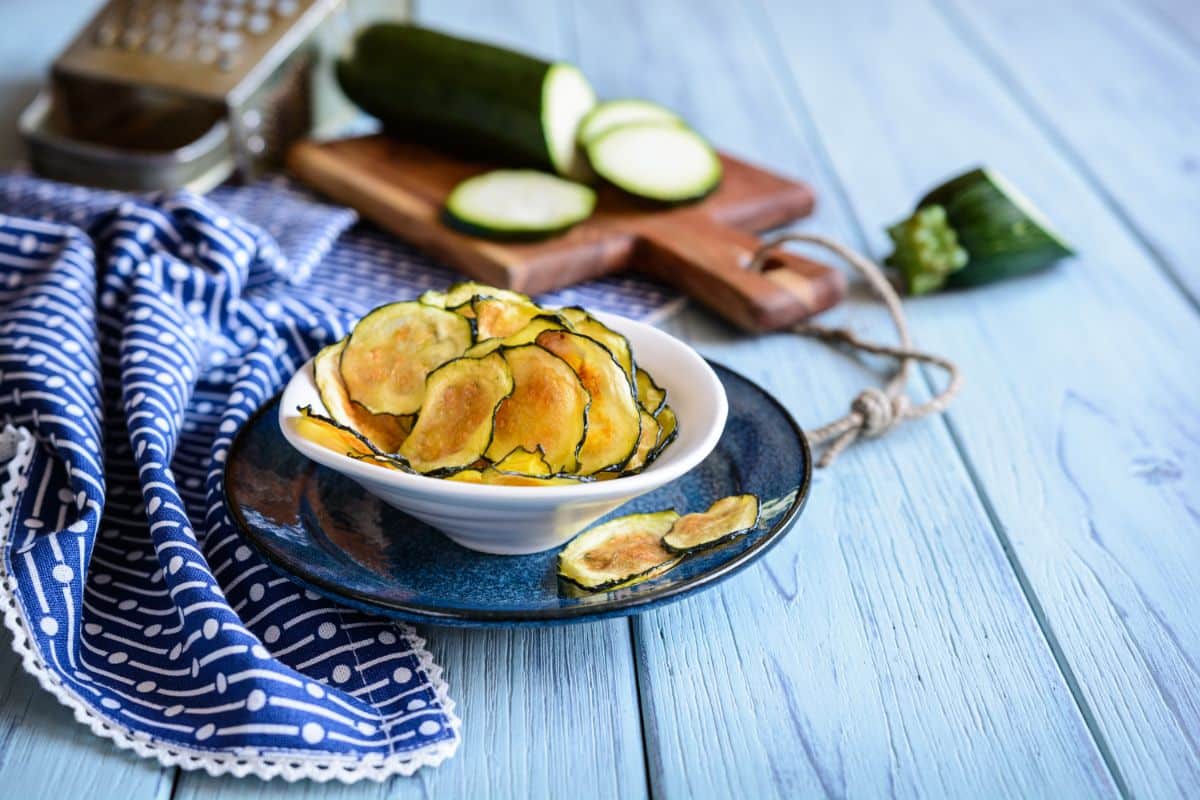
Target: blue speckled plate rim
[{"x": 621, "y": 607}]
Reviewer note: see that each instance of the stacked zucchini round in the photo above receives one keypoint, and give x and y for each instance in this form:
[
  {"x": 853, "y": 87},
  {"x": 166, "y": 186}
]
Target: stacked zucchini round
[{"x": 483, "y": 385}]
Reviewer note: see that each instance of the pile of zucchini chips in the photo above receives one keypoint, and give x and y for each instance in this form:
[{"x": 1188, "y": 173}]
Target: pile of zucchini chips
[{"x": 482, "y": 385}]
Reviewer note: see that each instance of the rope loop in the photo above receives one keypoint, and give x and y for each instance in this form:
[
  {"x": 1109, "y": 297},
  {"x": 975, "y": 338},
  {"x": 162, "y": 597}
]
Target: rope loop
[{"x": 875, "y": 411}]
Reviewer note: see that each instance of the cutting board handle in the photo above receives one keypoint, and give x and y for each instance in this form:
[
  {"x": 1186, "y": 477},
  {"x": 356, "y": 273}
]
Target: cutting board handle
[{"x": 710, "y": 264}]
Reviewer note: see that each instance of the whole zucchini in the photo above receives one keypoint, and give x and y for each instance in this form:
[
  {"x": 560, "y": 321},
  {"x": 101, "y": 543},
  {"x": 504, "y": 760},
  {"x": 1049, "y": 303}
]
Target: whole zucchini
[{"x": 479, "y": 99}]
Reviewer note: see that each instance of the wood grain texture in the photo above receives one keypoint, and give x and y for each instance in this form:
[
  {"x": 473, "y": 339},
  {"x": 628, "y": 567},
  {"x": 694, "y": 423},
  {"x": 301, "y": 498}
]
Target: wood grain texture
[
  {"x": 703, "y": 249},
  {"x": 885, "y": 646},
  {"x": 46, "y": 755},
  {"x": 1112, "y": 97},
  {"x": 1081, "y": 424},
  {"x": 1178, "y": 18},
  {"x": 540, "y": 707}
]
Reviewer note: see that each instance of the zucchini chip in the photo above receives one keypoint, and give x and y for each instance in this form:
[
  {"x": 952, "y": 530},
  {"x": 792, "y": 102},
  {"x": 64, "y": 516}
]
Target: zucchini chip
[
  {"x": 647, "y": 444},
  {"x": 668, "y": 429},
  {"x": 497, "y": 478},
  {"x": 527, "y": 334},
  {"x": 523, "y": 462},
  {"x": 387, "y": 462},
  {"x": 386, "y": 431},
  {"x": 613, "y": 422},
  {"x": 432, "y": 297},
  {"x": 725, "y": 519},
  {"x": 547, "y": 411},
  {"x": 621, "y": 552},
  {"x": 328, "y": 433},
  {"x": 583, "y": 322},
  {"x": 392, "y": 350},
  {"x": 455, "y": 426},
  {"x": 651, "y": 396},
  {"x": 497, "y": 317},
  {"x": 462, "y": 293}
]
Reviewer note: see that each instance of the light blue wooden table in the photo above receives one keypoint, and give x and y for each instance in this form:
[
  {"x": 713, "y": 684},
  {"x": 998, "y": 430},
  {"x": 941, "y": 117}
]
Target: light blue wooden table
[{"x": 999, "y": 603}]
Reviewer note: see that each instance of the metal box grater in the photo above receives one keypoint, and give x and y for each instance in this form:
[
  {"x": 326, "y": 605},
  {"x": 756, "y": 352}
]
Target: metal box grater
[{"x": 156, "y": 94}]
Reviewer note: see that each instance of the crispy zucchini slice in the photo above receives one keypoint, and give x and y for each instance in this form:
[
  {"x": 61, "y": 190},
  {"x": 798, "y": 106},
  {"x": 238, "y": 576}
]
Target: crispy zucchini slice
[
  {"x": 522, "y": 462},
  {"x": 647, "y": 444},
  {"x": 393, "y": 349},
  {"x": 455, "y": 426},
  {"x": 583, "y": 322},
  {"x": 336, "y": 437},
  {"x": 547, "y": 411},
  {"x": 462, "y": 293},
  {"x": 725, "y": 519},
  {"x": 527, "y": 334},
  {"x": 495, "y": 477},
  {"x": 386, "y": 461},
  {"x": 651, "y": 396},
  {"x": 498, "y": 317},
  {"x": 668, "y": 429},
  {"x": 620, "y": 552},
  {"x": 613, "y": 422},
  {"x": 386, "y": 431},
  {"x": 432, "y": 297}
]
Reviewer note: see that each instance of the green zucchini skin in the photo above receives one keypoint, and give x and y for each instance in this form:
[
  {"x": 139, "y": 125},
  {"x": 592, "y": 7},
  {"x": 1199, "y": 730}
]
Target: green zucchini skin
[
  {"x": 474, "y": 98},
  {"x": 1004, "y": 235}
]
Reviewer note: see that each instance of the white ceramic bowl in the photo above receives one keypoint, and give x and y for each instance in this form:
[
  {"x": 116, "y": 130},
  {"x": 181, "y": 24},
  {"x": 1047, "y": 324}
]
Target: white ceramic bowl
[{"x": 514, "y": 520}]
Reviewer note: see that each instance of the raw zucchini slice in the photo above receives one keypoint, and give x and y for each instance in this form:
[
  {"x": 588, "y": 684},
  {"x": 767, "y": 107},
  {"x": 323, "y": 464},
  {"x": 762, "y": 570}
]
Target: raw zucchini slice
[
  {"x": 647, "y": 443},
  {"x": 613, "y": 422},
  {"x": 651, "y": 396},
  {"x": 498, "y": 317},
  {"x": 544, "y": 322},
  {"x": 517, "y": 204},
  {"x": 386, "y": 431},
  {"x": 391, "y": 351},
  {"x": 670, "y": 164},
  {"x": 668, "y": 425},
  {"x": 614, "y": 113},
  {"x": 463, "y": 292},
  {"x": 498, "y": 478},
  {"x": 725, "y": 519},
  {"x": 583, "y": 322},
  {"x": 523, "y": 462},
  {"x": 621, "y": 552},
  {"x": 547, "y": 411},
  {"x": 455, "y": 426},
  {"x": 327, "y": 433}
]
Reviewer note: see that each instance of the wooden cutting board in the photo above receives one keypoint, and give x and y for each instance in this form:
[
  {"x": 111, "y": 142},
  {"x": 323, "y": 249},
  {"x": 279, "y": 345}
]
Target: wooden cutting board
[{"x": 702, "y": 249}]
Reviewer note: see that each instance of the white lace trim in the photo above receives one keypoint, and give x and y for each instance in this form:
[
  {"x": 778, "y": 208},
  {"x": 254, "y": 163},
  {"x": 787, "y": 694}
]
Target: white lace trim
[{"x": 290, "y": 766}]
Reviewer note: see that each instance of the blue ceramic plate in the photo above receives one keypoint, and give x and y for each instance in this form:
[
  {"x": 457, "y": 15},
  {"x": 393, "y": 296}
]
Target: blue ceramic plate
[{"x": 332, "y": 536}]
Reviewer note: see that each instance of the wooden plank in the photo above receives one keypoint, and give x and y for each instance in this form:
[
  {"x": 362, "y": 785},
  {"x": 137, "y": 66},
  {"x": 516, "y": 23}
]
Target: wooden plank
[
  {"x": 39, "y": 738},
  {"x": 885, "y": 646},
  {"x": 1079, "y": 423},
  {"x": 545, "y": 711},
  {"x": 1109, "y": 97},
  {"x": 1178, "y": 18}
]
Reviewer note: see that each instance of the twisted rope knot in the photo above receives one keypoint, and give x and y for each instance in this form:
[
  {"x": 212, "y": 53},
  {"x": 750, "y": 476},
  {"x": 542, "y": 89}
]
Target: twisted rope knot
[
  {"x": 875, "y": 411},
  {"x": 879, "y": 412}
]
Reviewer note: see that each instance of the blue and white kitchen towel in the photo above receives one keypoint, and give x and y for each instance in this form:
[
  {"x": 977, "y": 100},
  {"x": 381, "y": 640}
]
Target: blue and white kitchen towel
[{"x": 136, "y": 336}]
